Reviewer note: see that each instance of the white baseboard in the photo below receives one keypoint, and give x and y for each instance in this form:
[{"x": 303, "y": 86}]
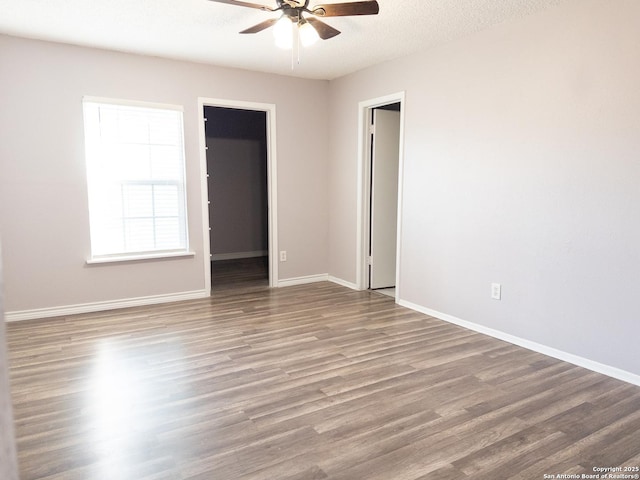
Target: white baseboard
[
  {"x": 237, "y": 255},
  {"x": 289, "y": 282},
  {"x": 344, "y": 283},
  {"x": 610, "y": 371},
  {"x": 101, "y": 306}
]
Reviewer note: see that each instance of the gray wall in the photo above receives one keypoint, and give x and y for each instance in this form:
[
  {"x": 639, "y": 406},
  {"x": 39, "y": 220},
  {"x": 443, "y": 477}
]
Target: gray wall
[
  {"x": 44, "y": 220},
  {"x": 522, "y": 149},
  {"x": 237, "y": 167},
  {"x": 8, "y": 463},
  {"x": 238, "y": 193}
]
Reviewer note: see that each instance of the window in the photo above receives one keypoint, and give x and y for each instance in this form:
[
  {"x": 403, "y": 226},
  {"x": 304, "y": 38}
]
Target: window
[{"x": 135, "y": 174}]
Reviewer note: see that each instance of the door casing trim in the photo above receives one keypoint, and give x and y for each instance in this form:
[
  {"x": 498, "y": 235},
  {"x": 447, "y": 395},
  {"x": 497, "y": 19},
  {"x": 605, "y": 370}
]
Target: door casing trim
[
  {"x": 365, "y": 109},
  {"x": 272, "y": 181}
]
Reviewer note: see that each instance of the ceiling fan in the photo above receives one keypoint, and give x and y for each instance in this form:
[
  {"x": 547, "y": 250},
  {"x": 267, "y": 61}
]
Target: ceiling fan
[{"x": 311, "y": 28}]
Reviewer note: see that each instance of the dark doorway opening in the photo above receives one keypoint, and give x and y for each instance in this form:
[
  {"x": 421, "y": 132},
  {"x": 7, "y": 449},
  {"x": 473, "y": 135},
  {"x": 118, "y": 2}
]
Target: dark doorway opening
[{"x": 238, "y": 196}]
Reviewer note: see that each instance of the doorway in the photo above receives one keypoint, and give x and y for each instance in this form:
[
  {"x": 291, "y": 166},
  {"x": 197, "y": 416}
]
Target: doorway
[
  {"x": 380, "y": 174},
  {"x": 237, "y": 186},
  {"x": 238, "y": 181},
  {"x": 383, "y": 192}
]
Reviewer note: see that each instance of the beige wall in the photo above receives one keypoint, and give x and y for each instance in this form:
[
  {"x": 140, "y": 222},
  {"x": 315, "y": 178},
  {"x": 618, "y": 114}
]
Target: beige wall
[
  {"x": 8, "y": 464},
  {"x": 522, "y": 148},
  {"x": 43, "y": 199}
]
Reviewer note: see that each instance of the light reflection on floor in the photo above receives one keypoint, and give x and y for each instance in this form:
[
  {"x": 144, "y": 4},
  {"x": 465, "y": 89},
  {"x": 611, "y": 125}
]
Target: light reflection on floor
[{"x": 119, "y": 411}]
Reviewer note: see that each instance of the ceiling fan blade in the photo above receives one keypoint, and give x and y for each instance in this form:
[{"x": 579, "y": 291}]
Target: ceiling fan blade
[
  {"x": 246, "y": 4},
  {"x": 324, "y": 31},
  {"x": 261, "y": 26},
  {"x": 346, "y": 9}
]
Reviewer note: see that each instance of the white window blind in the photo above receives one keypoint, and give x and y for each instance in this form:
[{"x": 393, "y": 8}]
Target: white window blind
[{"x": 135, "y": 173}]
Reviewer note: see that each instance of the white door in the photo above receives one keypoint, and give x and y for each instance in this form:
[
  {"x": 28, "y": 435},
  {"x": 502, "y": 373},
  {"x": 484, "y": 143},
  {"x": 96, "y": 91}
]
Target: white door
[{"x": 384, "y": 197}]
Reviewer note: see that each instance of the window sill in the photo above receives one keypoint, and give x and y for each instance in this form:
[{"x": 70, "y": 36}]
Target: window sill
[{"x": 139, "y": 257}]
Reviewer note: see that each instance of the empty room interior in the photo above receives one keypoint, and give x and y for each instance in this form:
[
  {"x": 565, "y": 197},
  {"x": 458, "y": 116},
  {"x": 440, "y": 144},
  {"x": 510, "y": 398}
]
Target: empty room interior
[{"x": 407, "y": 251}]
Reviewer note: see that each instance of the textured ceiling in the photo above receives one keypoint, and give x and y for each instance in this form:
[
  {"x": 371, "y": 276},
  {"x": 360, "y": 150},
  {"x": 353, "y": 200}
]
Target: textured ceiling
[{"x": 206, "y": 32}]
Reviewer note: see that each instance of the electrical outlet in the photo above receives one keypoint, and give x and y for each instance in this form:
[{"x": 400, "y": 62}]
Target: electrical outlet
[
  {"x": 496, "y": 291},
  {"x": 283, "y": 255}
]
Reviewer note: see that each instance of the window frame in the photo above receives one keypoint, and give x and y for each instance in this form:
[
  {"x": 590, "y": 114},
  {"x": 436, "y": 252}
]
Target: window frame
[{"x": 141, "y": 255}]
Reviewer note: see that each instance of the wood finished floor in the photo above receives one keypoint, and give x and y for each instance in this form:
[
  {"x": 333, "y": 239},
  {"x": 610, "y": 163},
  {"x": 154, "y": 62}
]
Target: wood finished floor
[
  {"x": 307, "y": 382},
  {"x": 241, "y": 273}
]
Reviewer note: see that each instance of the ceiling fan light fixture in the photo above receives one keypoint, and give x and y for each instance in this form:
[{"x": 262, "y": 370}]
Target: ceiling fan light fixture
[
  {"x": 283, "y": 33},
  {"x": 308, "y": 34}
]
